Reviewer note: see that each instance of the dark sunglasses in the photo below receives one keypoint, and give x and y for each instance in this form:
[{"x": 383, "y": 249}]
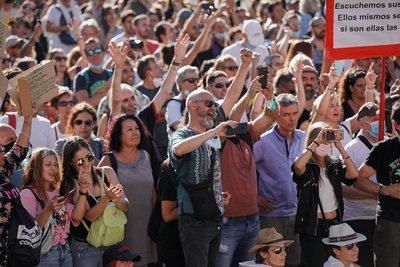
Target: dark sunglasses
[
  {"x": 66, "y": 103},
  {"x": 96, "y": 51},
  {"x": 222, "y": 85},
  {"x": 279, "y": 250},
  {"x": 87, "y": 122},
  {"x": 60, "y": 58},
  {"x": 191, "y": 80},
  {"x": 207, "y": 103},
  {"x": 81, "y": 161},
  {"x": 351, "y": 246},
  {"x": 232, "y": 68}
]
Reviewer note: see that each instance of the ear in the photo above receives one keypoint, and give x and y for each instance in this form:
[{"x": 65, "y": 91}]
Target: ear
[{"x": 337, "y": 252}]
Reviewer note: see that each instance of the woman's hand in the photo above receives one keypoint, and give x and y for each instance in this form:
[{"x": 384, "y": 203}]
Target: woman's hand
[
  {"x": 56, "y": 204},
  {"x": 114, "y": 192},
  {"x": 118, "y": 55},
  {"x": 371, "y": 76},
  {"x": 333, "y": 77},
  {"x": 84, "y": 180},
  {"x": 181, "y": 46}
]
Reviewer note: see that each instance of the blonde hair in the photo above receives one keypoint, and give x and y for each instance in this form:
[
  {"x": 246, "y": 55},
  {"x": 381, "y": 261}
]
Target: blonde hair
[{"x": 309, "y": 6}]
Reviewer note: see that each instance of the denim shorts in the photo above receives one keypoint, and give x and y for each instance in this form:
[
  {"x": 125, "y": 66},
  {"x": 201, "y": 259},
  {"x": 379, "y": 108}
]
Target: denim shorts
[
  {"x": 57, "y": 256},
  {"x": 84, "y": 254}
]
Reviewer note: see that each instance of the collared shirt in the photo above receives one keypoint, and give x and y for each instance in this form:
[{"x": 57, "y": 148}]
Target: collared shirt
[{"x": 274, "y": 155}]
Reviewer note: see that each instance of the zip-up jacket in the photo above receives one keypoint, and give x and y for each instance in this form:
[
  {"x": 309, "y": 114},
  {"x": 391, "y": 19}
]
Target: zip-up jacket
[{"x": 308, "y": 193}]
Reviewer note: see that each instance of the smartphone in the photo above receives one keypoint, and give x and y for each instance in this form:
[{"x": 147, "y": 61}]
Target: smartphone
[
  {"x": 208, "y": 8},
  {"x": 240, "y": 129},
  {"x": 334, "y": 135},
  {"x": 136, "y": 44},
  {"x": 263, "y": 71},
  {"x": 69, "y": 195}
]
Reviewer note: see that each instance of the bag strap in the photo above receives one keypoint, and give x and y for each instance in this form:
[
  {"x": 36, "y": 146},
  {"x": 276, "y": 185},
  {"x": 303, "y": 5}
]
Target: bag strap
[
  {"x": 55, "y": 131},
  {"x": 41, "y": 202},
  {"x": 365, "y": 142},
  {"x": 113, "y": 161},
  {"x": 12, "y": 120},
  {"x": 346, "y": 128}
]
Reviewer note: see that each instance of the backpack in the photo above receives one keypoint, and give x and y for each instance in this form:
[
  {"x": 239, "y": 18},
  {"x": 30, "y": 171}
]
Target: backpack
[
  {"x": 65, "y": 37},
  {"x": 48, "y": 231},
  {"x": 109, "y": 228},
  {"x": 23, "y": 237}
]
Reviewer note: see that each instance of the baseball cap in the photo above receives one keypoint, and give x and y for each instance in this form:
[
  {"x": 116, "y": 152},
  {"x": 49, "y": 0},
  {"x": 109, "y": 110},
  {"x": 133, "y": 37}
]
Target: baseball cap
[
  {"x": 252, "y": 29},
  {"x": 368, "y": 109},
  {"x": 118, "y": 252}
]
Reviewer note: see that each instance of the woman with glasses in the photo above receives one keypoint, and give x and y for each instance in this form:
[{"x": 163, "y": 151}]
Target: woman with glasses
[
  {"x": 60, "y": 62},
  {"x": 270, "y": 249},
  {"x": 343, "y": 246},
  {"x": 319, "y": 177},
  {"x": 53, "y": 212},
  {"x": 77, "y": 170},
  {"x": 126, "y": 142},
  {"x": 81, "y": 122}
]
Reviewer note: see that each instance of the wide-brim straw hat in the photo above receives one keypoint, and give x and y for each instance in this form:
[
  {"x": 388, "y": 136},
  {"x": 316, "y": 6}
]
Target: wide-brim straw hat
[{"x": 269, "y": 237}]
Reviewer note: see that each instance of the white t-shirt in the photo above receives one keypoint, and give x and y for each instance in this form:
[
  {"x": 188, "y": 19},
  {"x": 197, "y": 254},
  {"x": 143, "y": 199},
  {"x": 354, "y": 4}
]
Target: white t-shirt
[
  {"x": 359, "y": 209},
  {"x": 252, "y": 264},
  {"x": 174, "y": 113},
  {"x": 55, "y": 135},
  {"x": 326, "y": 194},
  {"x": 234, "y": 51},
  {"x": 53, "y": 15},
  {"x": 40, "y": 130}
]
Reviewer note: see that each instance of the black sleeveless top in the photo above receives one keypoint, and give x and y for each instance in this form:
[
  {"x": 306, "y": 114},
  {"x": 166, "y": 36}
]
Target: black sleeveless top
[{"x": 80, "y": 233}]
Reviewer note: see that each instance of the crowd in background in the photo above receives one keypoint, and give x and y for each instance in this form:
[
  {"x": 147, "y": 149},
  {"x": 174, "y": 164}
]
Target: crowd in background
[{"x": 217, "y": 132}]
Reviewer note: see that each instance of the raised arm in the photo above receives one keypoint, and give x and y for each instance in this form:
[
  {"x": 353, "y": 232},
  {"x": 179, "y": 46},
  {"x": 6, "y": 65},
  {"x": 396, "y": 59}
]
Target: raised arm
[
  {"x": 233, "y": 93},
  {"x": 240, "y": 107},
  {"x": 301, "y": 95}
]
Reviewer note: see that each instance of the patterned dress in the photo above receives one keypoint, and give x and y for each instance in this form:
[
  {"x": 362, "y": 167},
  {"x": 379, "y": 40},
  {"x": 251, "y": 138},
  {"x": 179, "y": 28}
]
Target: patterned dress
[{"x": 12, "y": 160}]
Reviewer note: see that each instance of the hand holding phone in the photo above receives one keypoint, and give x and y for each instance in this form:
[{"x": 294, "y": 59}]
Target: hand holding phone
[
  {"x": 334, "y": 135},
  {"x": 69, "y": 195},
  {"x": 263, "y": 71},
  {"x": 240, "y": 129}
]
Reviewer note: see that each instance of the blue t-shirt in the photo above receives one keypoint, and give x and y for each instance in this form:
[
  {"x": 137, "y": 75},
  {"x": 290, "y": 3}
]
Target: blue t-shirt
[{"x": 91, "y": 81}]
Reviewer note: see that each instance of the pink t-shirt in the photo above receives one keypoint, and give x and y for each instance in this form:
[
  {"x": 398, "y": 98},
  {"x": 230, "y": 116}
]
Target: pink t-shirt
[{"x": 61, "y": 218}]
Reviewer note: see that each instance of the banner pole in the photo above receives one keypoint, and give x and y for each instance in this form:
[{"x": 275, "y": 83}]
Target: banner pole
[{"x": 382, "y": 104}]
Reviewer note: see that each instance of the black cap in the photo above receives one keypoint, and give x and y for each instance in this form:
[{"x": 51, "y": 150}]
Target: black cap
[{"x": 118, "y": 253}]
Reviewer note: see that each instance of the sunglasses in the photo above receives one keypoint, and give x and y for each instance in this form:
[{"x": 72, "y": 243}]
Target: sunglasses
[
  {"x": 222, "y": 85},
  {"x": 87, "y": 122},
  {"x": 207, "y": 103},
  {"x": 66, "y": 103},
  {"x": 231, "y": 68},
  {"x": 351, "y": 246},
  {"x": 191, "y": 80},
  {"x": 279, "y": 250},
  {"x": 60, "y": 58},
  {"x": 96, "y": 51},
  {"x": 81, "y": 161}
]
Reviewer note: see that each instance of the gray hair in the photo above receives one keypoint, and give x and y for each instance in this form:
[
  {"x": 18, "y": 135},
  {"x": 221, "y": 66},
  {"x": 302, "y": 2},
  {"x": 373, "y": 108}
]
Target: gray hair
[
  {"x": 181, "y": 75},
  {"x": 285, "y": 100},
  {"x": 89, "y": 23}
]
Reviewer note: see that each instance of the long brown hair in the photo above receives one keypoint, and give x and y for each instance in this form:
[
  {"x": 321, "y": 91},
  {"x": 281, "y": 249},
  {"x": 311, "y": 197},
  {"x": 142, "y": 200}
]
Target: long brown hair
[{"x": 33, "y": 172}]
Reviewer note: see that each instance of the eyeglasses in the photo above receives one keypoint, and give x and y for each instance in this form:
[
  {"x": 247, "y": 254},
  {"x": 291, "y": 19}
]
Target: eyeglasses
[
  {"x": 81, "y": 161},
  {"x": 92, "y": 52},
  {"x": 60, "y": 58},
  {"x": 207, "y": 103},
  {"x": 279, "y": 250},
  {"x": 191, "y": 80},
  {"x": 351, "y": 246},
  {"x": 231, "y": 68},
  {"x": 87, "y": 122},
  {"x": 222, "y": 85},
  {"x": 66, "y": 103}
]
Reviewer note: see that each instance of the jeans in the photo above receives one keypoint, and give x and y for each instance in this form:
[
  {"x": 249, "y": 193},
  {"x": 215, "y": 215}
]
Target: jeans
[
  {"x": 84, "y": 254},
  {"x": 367, "y": 228},
  {"x": 285, "y": 226},
  {"x": 386, "y": 243},
  {"x": 57, "y": 256},
  {"x": 200, "y": 240},
  {"x": 239, "y": 234}
]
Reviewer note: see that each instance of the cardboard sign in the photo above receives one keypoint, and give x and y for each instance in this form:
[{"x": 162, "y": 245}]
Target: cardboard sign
[
  {"x": 362, "y": 29},
  {"x": 39, "y": 81}
]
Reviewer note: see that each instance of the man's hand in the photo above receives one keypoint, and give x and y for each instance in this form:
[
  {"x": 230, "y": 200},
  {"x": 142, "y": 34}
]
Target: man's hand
[
  {"x": 246, "y": 56},
  {"x": 297, "y": 70},
  {"x": 255, "y": 87},
  {"x": 181, "y": 46},
  {"x": 220, "y": 130},
  {"x": 371, "y": 76},
  {"x": 265, "y": 204},
  {"x": 118, "y": 55},
  {"x": 392, "y": 190}
]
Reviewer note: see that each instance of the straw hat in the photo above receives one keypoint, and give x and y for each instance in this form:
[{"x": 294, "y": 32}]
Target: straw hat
[
  {"x": 342, "y": 235},
  {"x": 269, "y": 237}
]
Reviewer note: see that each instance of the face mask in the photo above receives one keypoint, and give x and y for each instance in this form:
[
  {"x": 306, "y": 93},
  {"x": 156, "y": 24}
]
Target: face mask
[
  {"x": 324, "y": 150},
  {"x": 375, "y": 129},
  {"x": 186, "y": 93},
  {"x": 9, "y": 146},
  {"x": 214, "y": 143},
  {"x": 96, "y": 67},
  {"x": 221, "y": 36},
  {"x": 157, "y": 82}
]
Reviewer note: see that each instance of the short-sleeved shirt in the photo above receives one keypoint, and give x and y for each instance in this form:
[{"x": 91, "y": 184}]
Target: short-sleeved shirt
[
  {"x": 385, "y": 159},
  {"x": 91, "y": 81},
  {"x": 150, "y": 93}
]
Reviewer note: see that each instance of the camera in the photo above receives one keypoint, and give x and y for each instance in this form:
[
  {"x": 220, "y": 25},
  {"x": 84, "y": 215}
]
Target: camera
[
  {"x": 136, "y": 44},
  {"x": 334, "y": 135}
]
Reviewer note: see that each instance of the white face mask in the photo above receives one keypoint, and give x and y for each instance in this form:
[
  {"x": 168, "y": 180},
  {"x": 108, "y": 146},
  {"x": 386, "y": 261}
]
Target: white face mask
[
  {"x": 186, "y": 93},
  {"x": 324, "y": 150},
  {"x": 157, "y": 82}
]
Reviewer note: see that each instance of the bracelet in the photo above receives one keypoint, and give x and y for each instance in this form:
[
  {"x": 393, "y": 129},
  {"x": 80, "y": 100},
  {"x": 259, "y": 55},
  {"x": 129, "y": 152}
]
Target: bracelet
[
  {"x": 176, "y": 64},
  {"x": 381, "y": 186},
  {"x": 309, "y": 149},
  {"x": 30, "y": 123},
  {"x": 316, "y": 142},
  {"x": 346, "y": 158},
  {"x": 83, "y": 194}
]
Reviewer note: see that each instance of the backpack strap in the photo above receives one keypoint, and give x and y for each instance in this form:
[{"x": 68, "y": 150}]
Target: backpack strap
[
  {"x": 12, "y": 120},
  {"x": 55, "y": 131},
  {"x": 365, "y": 142},
  {"x": 113, "y": 161},
  {"x": 346, "y": 128}
]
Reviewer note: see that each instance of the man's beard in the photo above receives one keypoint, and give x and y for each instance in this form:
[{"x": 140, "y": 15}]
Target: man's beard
[
  {"x": 310, "y": 94},
  {"x": 206, "y": 118}
]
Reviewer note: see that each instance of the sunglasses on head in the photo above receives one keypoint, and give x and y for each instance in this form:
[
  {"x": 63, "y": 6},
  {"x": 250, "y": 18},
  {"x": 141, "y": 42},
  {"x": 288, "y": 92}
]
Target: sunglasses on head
[
  {"x": 60, "y": 58},
  {"x": 279, "y": 250},
  {"x": 351, "y": 246},
  {"x": 192, "y": 80},
  {"x": 96, "y": 51},
  {"x": 86, "y": 122},
  {"x": 81, "y": 161},
  {"x": 232, "y": 68},
  {"x": 66, "y": 103},
  {"x": 222, "y": 85},
  {"x": 207, "y": 103}
]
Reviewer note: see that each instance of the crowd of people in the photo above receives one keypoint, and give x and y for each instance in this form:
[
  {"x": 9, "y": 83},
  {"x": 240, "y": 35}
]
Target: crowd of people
[{"x": 188, "y": 133}]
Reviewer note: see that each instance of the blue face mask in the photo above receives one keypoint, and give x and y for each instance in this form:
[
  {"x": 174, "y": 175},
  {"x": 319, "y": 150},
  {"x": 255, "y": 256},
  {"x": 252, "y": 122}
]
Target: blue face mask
[
  {"x": 96, "y": 67},
  {"x": 375, "y": 129}
]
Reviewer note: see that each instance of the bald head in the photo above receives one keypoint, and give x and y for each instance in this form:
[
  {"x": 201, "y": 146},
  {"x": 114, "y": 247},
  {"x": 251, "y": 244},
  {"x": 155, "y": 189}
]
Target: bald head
[
  {"x": 7, "y": 134},
  {"x": 198, "y": 94}
]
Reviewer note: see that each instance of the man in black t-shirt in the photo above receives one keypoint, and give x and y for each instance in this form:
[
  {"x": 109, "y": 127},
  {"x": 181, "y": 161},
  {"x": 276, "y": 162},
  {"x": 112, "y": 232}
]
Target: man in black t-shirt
[{"x": 384, "y": 160}]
